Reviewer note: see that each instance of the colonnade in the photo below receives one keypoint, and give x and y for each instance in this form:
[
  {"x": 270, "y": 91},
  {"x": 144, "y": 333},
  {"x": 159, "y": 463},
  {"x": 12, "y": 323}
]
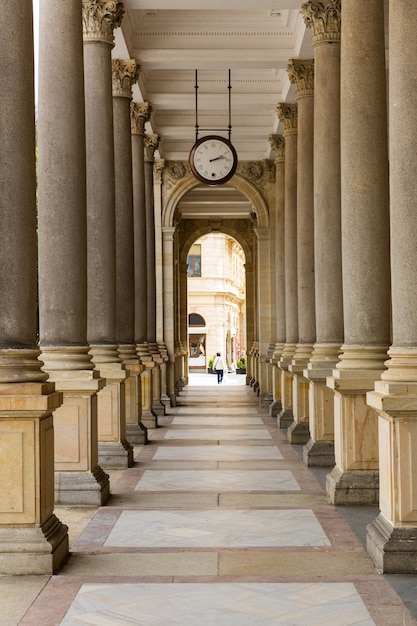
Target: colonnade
[
  {"x": 360, "y": 355},
  {"x": 334, "y": 350},
  {"x": 81, "y": 386}
]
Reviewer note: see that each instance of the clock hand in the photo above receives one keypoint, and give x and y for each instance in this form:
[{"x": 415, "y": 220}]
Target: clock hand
[{"x": 217, "y": 158}]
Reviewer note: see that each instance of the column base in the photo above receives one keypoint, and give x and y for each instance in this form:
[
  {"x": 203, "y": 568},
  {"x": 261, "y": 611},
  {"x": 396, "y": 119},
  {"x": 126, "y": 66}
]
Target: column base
[
  {"x": 392, "y": 549},
  {"x": 115, "y": 454},
  {"x": 352, "y": 486},
  {"x": 149, "y": 420},
  {"x": 275, "y": 408},
  {"x": 319, "y": 454},
  {"x": 33, "y": 551},
  {"x": 266, "y": 400},
  {"x": 137, "y": 434},
  {"x": 82, "y": 488},
  {"x": 166, "y": 401},
  {"x": 158, "y": 408},
  {"x": 285, "y": 418},
  {"x": 298, "y": 433}
]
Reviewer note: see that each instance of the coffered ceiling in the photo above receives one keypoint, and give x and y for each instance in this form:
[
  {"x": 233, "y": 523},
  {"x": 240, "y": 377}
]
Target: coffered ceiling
[{"x": 171, "y": 39}]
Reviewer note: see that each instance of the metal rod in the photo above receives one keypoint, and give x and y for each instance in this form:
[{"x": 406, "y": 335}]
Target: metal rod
[
  {"x": 230, "y": 106},
  {"x": 196, "y": 105}
]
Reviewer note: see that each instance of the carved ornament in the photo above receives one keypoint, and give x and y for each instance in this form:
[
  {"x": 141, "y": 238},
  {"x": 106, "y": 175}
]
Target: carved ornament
[
  {"x": 323, "y": 17},
  {"x": 100, "y": 18},
  {"x": 124, "y": 75},
  {"x": 140, "y": 113},
  {"x": 301, "y": 74},
  {"x": 278, "y": 146},
  {"x": 288, "y": 115},
  {"x": 151, "y": 143}
]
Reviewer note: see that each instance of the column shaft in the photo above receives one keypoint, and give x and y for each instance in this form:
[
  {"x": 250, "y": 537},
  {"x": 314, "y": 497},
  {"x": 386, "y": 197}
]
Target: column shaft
[
  {"x": 32, "y": 539},
  {"x": 365, "y": 248}
]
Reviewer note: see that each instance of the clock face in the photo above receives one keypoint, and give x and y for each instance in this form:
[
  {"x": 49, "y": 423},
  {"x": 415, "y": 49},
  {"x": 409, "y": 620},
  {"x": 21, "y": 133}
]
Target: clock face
[{"x": 213, "y": 160}]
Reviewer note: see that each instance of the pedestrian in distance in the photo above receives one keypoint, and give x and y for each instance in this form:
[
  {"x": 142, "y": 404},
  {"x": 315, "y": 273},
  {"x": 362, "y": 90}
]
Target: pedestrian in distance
[{"x": 218, "y": 367}]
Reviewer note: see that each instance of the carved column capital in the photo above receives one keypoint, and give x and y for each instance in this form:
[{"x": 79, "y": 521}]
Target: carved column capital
[
  {"x": 124, "y": 75},
  {"x": 151, "y": 143},
  {"x": 140, "y": 113},
  {"x": 100, "y": 18},
  {"x": 288, "y": 115},
  {"x": 158, "y": 168},
  {"x": 323, "y": 17},
  {"x": 301, "y": 74},
  {"x": 278, "y": 146}
]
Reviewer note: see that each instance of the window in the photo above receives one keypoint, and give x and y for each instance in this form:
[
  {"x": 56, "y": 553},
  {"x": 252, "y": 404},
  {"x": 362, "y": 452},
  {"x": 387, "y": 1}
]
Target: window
[{"x": 194, "y": 261}]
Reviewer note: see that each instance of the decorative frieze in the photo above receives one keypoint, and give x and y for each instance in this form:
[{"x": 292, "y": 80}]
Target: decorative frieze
[
  {"x": 125, "y": 74},
  {"x": 151, "y": 144},
  {"x": 324, "y": 19},
  {"x": 140, "y": 113},
  {"x": 288, "y": 115},
  {"x": 100, "y": 18},
  {"x": 301, "y": 74},
  {"x": 277, "y": 143}
]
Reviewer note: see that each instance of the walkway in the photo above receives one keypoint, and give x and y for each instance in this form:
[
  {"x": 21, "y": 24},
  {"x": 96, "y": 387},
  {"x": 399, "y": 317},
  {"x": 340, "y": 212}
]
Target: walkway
[{"x": 218, "y": 523}]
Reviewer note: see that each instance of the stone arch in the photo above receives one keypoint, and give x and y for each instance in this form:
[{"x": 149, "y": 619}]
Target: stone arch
[
  {"x": 204, "y": 227},
  {"x": 240, "y": 183}
]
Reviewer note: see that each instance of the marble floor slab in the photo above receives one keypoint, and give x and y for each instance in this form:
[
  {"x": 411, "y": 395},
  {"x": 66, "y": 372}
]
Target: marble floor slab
[
  {"x": 217, "y": 453},
  {"x": 217, "y": 480},
  {"x": 218, "y": 434},
  {"x": 220, "y": 420},
  {"x": 228, "y": 604},
  {"x": 217, "y": 529}
]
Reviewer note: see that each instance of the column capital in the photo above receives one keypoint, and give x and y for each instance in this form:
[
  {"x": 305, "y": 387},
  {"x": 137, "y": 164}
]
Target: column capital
[
  {"x": 140, "y": 113},
  {"x": 158, "y": 167},
  {"x": 324, "y": 19},
  {"x": 288, "y": 115},
  {"x": 100, "y": 18},
  {"x": 301, "y": 74},
  {"x": 278, "y": 146},
  {"x": 124, "y": 75},
  {"x": 150, "y": 145}
]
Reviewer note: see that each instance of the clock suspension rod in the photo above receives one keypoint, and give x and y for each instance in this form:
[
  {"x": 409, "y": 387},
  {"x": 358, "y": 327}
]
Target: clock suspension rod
[
  {"x": 196, "y": 105},
  {"x": 230, "y": 107}
]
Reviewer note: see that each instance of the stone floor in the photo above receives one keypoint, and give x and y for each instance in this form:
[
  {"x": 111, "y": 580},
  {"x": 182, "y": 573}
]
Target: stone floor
[{"x": 218, "y": 523}]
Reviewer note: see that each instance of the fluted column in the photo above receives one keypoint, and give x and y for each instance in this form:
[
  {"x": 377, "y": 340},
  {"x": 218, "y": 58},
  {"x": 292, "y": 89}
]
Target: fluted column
[
  {"x": 324, "y": 19},
  {"x": 391, "y": 538},
  {"x": 287, "y": 114},
  {"x": 100, "y": 18},
  {"x": 139, "y": 115},
  {"x": 365, "y": 252},
  {"x": 125, "y": 75},
  {"x": 32, "y": 539},
  {"x": 278, "y": 145},
  {"x": 301, "y": 73},
  {"x": 62, "y": 247}
]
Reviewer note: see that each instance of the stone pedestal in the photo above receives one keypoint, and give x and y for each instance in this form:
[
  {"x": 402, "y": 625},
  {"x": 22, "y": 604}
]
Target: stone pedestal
[
  {"x": 32, "y": 540},
  {"x": 114, "y": 451},
  {"x": 135, "y": 431},
  {"x": 148, "y": 419},
  {"x": 299, "y": 431},
  {"x": 319, "y": 450}
]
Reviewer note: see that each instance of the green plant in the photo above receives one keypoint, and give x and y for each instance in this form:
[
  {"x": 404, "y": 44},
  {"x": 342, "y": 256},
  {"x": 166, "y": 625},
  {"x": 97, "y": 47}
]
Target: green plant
[
  {"x": 241, "y": 363},
  {"x": 210, "y": 362}
]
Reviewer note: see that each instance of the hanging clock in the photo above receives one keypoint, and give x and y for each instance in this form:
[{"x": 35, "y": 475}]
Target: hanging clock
[{"x": 213, "y": 160}]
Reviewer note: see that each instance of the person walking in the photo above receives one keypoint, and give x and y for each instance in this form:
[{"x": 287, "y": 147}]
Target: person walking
[{"x": 218, "y": 367}]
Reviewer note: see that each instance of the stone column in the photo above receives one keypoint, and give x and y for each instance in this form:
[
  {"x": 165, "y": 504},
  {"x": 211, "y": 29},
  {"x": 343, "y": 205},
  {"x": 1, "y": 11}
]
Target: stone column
[
  {"x": 301, "y": 73},
  {"x": 263, "y": 236},
  {"x": 62, "y": 237},
  {"x": 139, "y": 115},
  {"x": 324, "y": 19},
  {"x": 159, "y": 166},
  {"x": 278, "y": 145},
  {"x": 125, "y": 75},
  {"x": 99, "y": 21},
  {"x": 32, "y": 539},
  {"x": 391, "y": 538},
  {"x": 169, "y": 306},
  {"x": 150, "y": 146},
  {"x": 287, "y": 114},
  {"x": 365, "y": 252}
]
